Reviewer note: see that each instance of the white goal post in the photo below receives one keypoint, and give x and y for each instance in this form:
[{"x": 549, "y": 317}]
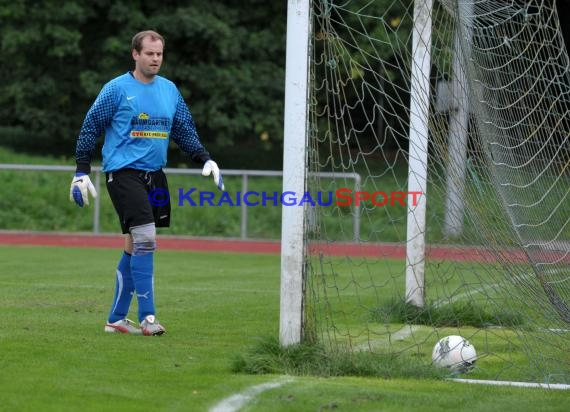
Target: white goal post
[
  {"x": 294, "y": 170},
  {"x": 418, "y": 152},
  {"x": 295, "y": 164}
]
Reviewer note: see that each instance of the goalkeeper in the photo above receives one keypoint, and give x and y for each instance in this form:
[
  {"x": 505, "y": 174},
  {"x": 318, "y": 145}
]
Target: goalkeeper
[{"x": 139, "y": 112}]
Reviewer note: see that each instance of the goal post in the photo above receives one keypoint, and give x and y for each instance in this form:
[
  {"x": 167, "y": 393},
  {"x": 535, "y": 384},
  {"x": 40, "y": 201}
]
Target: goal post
[
  {"x": 418, "y": 152},
  {"x": 294, "y": 171}
]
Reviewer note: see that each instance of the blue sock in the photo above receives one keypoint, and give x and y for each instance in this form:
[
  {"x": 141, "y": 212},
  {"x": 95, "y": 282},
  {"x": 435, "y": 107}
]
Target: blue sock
[
  {"x": 142, "y": 269},
  {"x": 124, "y": 289}
]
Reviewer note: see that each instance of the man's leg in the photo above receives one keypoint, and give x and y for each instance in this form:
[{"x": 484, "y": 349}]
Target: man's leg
[
  {"x": 142, "y": 269},
  {"x": 124, "y": 289}
]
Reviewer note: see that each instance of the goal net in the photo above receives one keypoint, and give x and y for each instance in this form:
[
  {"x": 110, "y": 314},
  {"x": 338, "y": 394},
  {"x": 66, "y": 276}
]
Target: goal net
[{"x": 455, "y": 116}]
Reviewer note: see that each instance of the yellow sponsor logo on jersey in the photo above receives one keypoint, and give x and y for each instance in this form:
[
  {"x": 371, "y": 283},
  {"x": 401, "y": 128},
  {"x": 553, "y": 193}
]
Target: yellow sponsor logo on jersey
[{"x": 144, "y": 116}]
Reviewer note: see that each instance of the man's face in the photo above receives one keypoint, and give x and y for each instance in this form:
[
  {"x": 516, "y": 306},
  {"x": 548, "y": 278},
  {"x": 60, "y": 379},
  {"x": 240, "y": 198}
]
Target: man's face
[{"x": 149, "y": 60}]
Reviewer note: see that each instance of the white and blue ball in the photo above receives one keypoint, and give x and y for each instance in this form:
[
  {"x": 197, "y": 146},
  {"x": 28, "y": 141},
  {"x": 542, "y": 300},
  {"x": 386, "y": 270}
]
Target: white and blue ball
[{"x": 455, "y": 353}]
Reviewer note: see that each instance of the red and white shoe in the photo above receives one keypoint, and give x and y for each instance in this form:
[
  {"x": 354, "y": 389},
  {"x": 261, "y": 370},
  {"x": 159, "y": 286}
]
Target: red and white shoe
[
  {"x": 151, "y": 327},
  {"x": 123, "y": 326}
]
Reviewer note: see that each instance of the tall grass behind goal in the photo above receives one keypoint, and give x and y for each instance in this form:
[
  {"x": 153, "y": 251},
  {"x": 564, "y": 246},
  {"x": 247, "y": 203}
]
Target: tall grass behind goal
[{"x": 467, "y": 101}]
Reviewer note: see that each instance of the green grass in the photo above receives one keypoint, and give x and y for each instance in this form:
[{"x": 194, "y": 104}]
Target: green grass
[
  {"x": 217, "y": 308},
  {"x": 456, "y": 314},
  {"x": 365, "y": 395},
  {"x": 53, "y": 345},
  {"x": 314, "y": 359}
]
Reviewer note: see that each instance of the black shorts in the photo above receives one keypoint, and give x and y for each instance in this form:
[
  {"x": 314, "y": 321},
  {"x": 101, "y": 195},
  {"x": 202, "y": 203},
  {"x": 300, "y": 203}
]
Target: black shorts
[{"x": 139, "y": 197}]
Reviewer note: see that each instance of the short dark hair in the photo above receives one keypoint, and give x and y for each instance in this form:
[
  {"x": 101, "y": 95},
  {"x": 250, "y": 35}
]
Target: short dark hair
[{"x": 136, "y": 43}]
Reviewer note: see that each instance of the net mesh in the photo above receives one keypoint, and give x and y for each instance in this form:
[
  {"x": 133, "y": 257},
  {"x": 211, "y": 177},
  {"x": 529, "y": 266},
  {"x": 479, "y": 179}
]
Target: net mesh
[{"x": 497, "y": 262}]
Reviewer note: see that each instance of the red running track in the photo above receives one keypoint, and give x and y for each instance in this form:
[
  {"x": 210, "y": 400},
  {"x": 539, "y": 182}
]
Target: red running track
[{"x": 372, "y": 250}]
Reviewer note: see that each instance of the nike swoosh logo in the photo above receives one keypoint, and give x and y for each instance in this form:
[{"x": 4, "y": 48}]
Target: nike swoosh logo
[{"x": 131, "y": 97}]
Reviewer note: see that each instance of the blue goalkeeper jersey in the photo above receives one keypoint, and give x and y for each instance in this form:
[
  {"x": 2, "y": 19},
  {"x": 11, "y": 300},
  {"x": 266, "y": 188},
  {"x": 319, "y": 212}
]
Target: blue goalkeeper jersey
[{"x": 138, "y": 121}]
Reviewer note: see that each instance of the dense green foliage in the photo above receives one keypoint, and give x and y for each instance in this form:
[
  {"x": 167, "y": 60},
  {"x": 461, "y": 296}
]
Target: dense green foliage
[{"x": 227, "y": 58}]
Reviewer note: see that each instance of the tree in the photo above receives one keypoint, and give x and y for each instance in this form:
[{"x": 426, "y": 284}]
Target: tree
[{"x": 227, "y": 57}]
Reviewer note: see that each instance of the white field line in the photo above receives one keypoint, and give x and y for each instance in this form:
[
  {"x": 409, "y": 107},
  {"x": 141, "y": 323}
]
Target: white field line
[
  {"x": 555, "y": 330},
  {"x": 562, "y": 386},
  {"x": 239, "y": 400},
  {"x": 405, "y": 332},
  {"x": 401, "y": 334},
  {"x": 455, "y": 298}
]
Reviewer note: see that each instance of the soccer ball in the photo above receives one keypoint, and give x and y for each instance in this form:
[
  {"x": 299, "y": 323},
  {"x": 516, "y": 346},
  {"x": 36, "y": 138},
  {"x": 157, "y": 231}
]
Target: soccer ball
[{"x": 455, "y": 353}]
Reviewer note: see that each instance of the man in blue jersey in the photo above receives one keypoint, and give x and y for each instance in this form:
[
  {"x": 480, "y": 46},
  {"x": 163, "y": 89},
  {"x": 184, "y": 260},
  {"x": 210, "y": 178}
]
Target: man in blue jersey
[{"x": 139, "y": 112}]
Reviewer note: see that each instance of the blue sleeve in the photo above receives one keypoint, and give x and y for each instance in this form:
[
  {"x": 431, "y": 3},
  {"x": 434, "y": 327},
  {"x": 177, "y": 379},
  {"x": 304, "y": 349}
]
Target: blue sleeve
[
  {"x": 97, "y": 119},
  {"x": 184, "y": 133}
]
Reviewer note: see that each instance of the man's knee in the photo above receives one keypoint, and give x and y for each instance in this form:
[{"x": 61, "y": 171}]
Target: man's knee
[{"x": 144, "y": 239}]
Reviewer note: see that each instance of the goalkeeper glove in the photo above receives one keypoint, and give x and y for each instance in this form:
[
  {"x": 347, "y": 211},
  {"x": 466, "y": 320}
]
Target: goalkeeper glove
[
  {"x": 79, "y": 187},
  {"x": 212, "y": 167}
]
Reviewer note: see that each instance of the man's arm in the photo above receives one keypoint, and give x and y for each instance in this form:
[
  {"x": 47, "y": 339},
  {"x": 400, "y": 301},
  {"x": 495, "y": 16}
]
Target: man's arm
[
  {"x": 98, "y": 117},
  {"x": 184, "y": 134}
]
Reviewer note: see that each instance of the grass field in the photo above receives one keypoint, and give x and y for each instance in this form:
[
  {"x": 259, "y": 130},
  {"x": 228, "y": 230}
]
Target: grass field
[{"x": 54, "y": 355}]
